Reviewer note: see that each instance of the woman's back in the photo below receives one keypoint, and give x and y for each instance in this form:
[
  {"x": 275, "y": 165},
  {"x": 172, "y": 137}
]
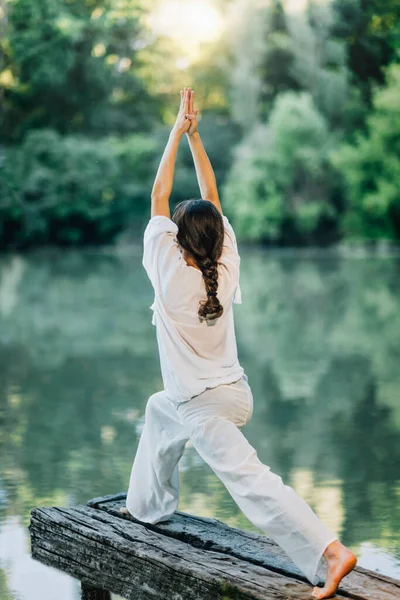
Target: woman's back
[{"x": 194, "y": 354}]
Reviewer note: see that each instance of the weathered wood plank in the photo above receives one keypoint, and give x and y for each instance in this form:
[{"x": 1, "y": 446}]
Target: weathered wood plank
[
  {"x": 185, "y": 558},
  {"x": 138, "y": 563},
  {"x": 207, "y": 534},
  {"x": 91, "y": 593}
]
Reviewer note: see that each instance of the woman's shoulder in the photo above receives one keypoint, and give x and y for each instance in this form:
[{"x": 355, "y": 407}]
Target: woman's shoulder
[{"x": 230, "y": 256}]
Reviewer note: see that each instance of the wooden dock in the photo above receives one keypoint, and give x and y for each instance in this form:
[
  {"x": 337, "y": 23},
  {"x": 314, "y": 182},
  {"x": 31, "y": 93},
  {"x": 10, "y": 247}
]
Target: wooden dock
[{"x": 185, "y": 558}]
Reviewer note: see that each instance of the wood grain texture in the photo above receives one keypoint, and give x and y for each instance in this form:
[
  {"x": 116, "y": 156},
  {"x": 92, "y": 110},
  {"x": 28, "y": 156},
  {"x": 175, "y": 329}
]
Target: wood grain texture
[
  {"x": 91, "y": 593},
  {"x": 256, "y": 548},
  {"x": 185, "y": 558}
]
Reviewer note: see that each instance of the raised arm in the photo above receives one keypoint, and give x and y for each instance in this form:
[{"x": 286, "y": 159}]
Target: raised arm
[
  {"x": 165, "y": 174},
  {"x": 204, "y": 171}
]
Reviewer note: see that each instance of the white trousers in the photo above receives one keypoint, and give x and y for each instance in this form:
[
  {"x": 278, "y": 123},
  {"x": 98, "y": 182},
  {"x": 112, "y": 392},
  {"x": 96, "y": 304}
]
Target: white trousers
[{"x": 213, "y": 421}]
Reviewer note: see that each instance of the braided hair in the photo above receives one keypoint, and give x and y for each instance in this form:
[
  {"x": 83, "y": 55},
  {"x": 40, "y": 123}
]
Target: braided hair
[{"x": 201, "y": 233}]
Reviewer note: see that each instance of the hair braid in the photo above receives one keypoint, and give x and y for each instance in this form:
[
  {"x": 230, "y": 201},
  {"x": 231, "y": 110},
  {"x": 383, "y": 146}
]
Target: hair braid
[
  {"x": 201, "y": 234},
  {"x": 210, "y": 309}
]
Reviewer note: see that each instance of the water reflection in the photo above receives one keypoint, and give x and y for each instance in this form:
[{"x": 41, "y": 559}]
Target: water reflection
[{"x": 318, "y": 338}]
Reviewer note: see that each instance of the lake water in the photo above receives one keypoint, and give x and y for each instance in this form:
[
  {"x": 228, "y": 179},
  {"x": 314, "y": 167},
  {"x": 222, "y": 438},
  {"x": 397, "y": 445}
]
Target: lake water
[{"x": 318, "y": 336}]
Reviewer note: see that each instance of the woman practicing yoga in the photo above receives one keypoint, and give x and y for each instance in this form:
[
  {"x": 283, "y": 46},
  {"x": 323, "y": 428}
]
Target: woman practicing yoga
[{"x": 193, "y": 263}]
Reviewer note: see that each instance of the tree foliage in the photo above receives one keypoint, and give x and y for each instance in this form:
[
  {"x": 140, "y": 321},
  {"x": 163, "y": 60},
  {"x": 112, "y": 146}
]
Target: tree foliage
[
  {"x": 73, "y": 66},
  {"x": 371, "y": 30},
  {"x": 88, "y": 80},
  {"x": 371, "y": 168},
  {"x": 280, "y": 187},
  {"x": 71, "y": 190}
]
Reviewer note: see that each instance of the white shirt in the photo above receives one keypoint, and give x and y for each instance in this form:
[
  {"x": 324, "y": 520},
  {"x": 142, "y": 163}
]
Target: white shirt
[{"x": 194, "y": 355}]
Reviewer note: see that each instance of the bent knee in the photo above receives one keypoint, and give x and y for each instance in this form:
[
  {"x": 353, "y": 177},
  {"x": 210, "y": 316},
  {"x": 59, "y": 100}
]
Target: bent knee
[{"x": 153, "y": 403}]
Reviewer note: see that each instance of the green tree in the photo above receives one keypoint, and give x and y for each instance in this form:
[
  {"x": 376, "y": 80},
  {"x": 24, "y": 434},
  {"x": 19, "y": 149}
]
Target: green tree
[
  {"x": 371, "y": 29},
  {"x": 371, "y": 168},
  {"x": 319, "y": 64},
  {"x": 72, "y": 190},
  {"x": 274, "y": 51},
  {"x": 280, "y": 187},
  {"x": 73, "y": 66},
  {"x": 277, "y": 61}
]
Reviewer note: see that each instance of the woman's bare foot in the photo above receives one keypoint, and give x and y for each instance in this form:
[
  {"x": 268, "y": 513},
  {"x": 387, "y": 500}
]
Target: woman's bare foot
[
  {"x": 124, "y": 510},
  {"x": 340, "y": 561}
]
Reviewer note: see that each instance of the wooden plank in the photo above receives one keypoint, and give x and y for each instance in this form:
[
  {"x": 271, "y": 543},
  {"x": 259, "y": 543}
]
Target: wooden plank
[
  {"x": 88, "y": 592},
  {"x": 139, "y": 563},
  {"x": 185, "y": 558},
  {"x": 258, "y": 549}
]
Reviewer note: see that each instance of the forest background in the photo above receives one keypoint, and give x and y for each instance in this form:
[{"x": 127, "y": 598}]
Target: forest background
[{"x": 299, "y": 105}]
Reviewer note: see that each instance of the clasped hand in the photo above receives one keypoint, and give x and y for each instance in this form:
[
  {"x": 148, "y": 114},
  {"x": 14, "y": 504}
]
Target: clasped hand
[{"x": 186, "y": 121}]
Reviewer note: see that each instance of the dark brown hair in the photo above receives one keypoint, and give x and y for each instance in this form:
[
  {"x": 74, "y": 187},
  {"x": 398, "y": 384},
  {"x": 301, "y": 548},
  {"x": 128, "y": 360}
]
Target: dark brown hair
[{"x": 201, "y": 233}]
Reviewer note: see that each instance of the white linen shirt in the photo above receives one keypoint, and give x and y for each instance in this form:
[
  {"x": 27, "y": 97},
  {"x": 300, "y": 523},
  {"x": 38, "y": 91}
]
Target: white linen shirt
[{"x": 194, "y": 355}]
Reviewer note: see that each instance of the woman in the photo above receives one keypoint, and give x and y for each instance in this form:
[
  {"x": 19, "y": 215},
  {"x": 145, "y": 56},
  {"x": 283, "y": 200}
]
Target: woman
[{"x": 193, "y": 263}]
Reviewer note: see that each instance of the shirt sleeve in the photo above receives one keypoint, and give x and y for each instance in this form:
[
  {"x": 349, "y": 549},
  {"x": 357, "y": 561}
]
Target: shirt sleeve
[
  {"x": 160, "y": 249},
  {"x": 231, "y": 257}
]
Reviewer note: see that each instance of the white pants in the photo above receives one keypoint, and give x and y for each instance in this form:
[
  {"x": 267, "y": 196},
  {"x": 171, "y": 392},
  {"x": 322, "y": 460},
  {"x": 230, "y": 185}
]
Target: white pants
[{"x": 213, "y": 421}]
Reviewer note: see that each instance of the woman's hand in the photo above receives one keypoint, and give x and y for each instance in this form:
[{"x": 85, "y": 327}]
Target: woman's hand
[
  {"x": 192, "y": 114},
  {"x": 182, "y": 124}
]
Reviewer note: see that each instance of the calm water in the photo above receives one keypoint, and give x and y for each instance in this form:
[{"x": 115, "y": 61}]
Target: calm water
[{"x": 318, "y": 338}]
